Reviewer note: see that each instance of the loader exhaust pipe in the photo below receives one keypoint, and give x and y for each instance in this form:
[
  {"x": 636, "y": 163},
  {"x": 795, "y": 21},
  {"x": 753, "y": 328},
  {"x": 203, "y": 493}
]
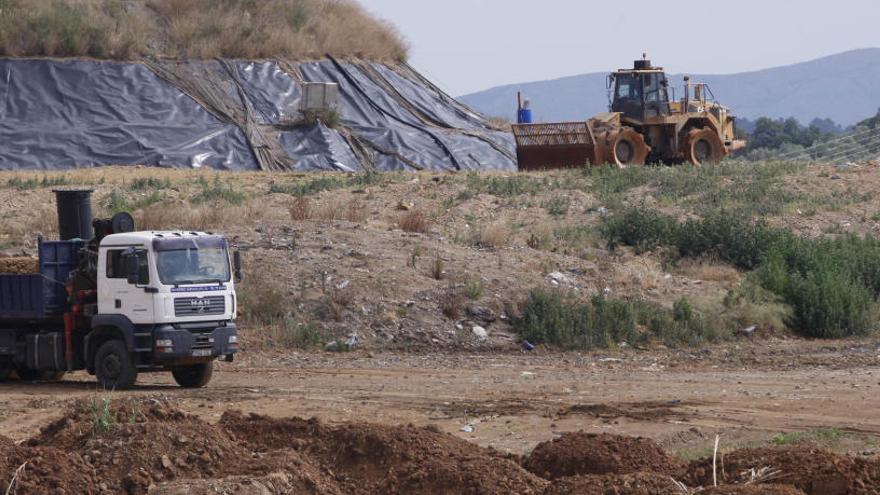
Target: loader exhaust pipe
[{"x": 74, "y": 213}]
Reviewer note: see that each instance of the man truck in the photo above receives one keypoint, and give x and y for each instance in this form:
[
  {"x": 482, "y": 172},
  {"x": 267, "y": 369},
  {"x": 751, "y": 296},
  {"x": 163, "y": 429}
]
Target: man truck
[{"x": 116, "y": 303}]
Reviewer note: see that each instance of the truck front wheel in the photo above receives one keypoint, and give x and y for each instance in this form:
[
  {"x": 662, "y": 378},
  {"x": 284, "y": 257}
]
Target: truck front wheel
[
  {"x": 113, "y": 366},
  {"x": 193, "y": 376}
]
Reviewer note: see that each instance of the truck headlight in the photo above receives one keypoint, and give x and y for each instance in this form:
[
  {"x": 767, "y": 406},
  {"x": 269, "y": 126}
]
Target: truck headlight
[
  {"x": 164, "y": 343},
  {"x": 233, "y": 339}
]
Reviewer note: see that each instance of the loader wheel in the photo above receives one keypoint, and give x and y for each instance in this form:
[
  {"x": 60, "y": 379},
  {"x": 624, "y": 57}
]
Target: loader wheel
[
  {"x": 113, "y": 366},
  {"x": 626, "y": 148},
  {"x": 704, "y": 146},
  {"x": 193, "y": 376}
]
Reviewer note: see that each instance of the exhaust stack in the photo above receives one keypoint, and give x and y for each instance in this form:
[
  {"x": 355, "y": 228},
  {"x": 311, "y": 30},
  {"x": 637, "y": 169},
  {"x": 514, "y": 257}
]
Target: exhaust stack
[{"x": 74, "y": 214}]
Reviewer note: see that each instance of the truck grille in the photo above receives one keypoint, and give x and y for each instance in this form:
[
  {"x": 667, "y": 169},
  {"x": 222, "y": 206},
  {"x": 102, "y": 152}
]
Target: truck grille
[
  {"x": 199, "y": 306},
  {"x": 203, "y": 341}
]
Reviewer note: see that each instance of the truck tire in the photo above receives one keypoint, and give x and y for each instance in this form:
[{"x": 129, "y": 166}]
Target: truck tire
[
  {"x": 193, "y": 376},
  {"x": 114, "y": 367}
]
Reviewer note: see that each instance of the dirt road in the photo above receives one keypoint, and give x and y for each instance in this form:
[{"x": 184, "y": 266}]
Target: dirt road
[{"x": 514, "y": 401}]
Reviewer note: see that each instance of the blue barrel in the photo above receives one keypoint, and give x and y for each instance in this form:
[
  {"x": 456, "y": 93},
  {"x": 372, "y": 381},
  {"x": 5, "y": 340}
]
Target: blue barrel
[{"x": 524, "y": 116}]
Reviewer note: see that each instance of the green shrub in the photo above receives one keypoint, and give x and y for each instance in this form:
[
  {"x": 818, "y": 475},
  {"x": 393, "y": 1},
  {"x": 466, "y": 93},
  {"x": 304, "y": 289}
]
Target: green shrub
[
  {"x": 117, "y": 201},
  {"x": 550, "y": 318},
  {"x": 294, "y": 334},
  {"x": 557, "y": 207},
  {"x": 830, "y": 285},
  {"x": 642, "y": 228},
  {"x": 727, "y": 236},
  {"x": 681, "y": 325}
]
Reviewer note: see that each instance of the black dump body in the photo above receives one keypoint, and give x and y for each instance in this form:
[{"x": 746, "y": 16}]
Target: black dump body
[{"x": 40, "y": 297}]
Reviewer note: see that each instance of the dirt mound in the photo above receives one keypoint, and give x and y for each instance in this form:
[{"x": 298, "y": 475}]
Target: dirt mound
[
  {"x": 753, "y": 490},
  {"x": 815, "y": 471},
  {"x": 133, "y": 445},
  {"x": 382, "y": 459},
  {"x": 615, "y": 484},
  {"x": 588, "y": 453},
  {"x": 43, "y": 470}
]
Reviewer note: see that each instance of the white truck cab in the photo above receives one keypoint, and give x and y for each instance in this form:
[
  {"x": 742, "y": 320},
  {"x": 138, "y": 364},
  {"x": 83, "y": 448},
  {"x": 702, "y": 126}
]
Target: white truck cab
[{"x": 182, "y": 277}]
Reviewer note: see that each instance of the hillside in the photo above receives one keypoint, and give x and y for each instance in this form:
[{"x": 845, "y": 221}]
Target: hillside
[
  {"x": 200, "y": 29},
  {"x": 843, "y": 87}
]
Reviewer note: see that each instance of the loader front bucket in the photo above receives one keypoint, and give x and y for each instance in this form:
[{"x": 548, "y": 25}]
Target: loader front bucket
[{"x": 556, "y": 145}]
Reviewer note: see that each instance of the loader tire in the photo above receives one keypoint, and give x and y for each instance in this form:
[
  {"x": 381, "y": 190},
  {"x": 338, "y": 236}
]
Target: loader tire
[
  {"x": 626, "y": 148},
  {"x": 114, "y": 367},
  {"x": 703, "y": 146}
]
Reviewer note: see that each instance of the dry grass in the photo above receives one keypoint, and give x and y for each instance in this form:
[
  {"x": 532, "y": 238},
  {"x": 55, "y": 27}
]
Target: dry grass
[
  {"x": 183, "y": 215},
  {"x": 451, "y": 302},
  {"x": 493, "y": 236},
  {"x": 303, "y": 209},
  {"x": 201, "y": 29},
  {"x": 709, "y": 271},
  {"x": 414, "y": 221},
  {"x": 300, "y": 209}
]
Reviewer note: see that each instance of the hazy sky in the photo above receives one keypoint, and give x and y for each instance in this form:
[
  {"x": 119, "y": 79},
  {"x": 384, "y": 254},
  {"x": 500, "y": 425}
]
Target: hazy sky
[{"x": 469, "y": 45}]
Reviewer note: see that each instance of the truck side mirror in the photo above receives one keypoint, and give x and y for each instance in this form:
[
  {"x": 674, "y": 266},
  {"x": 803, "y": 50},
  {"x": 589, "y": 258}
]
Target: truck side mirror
[
  {"x": 132, "y": 268},
  {"x": 236, "y": 264}
]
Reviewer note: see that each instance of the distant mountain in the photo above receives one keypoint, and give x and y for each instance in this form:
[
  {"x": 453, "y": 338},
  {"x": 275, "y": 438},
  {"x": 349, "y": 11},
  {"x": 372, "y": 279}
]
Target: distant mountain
[{"x": 843, "y": 87}]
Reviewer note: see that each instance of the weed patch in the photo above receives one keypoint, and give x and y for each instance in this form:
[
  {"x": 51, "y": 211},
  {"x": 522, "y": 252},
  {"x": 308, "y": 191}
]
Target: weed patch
[
  {"x": 218, "y": 191},
  {"x": 34, "y": 183},
  {"x": 548, "y": 317}
]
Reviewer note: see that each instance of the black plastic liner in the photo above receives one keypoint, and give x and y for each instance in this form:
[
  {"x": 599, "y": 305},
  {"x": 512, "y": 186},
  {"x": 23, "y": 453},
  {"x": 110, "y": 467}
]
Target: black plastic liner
[
  {"x": 76, "y": 113},
  {"x": 71, "y": 114}
]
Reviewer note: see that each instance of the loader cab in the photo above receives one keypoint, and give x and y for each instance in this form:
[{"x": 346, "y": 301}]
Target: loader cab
[{"x": 641, "y": 92}]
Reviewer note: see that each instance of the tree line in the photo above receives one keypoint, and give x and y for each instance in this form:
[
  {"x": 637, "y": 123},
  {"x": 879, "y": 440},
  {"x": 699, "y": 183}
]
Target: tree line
[{"x": 766, "y": 135}]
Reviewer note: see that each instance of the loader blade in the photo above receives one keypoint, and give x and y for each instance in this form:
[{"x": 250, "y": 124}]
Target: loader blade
[{"x": 556, "y": 145}]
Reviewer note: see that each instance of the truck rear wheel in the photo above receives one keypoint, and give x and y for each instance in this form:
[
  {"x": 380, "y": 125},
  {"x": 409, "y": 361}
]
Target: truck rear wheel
[
  {"x": 114, "y": 367},
  {"x": 193, "y": 376}
]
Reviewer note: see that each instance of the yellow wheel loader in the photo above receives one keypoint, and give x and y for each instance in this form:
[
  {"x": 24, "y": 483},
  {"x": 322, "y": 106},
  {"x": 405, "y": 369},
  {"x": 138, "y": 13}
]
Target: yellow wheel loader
[{"x": 645, "y": 125}]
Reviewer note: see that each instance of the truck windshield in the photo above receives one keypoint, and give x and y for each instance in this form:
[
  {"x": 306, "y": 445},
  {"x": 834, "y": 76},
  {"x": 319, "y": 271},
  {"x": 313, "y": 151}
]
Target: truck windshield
[{"x": 191, "y": 261}]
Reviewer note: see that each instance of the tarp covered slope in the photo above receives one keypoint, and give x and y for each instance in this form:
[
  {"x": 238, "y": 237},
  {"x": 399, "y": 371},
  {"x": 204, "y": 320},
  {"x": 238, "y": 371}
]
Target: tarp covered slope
[{"x": 79, "y": 113}]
